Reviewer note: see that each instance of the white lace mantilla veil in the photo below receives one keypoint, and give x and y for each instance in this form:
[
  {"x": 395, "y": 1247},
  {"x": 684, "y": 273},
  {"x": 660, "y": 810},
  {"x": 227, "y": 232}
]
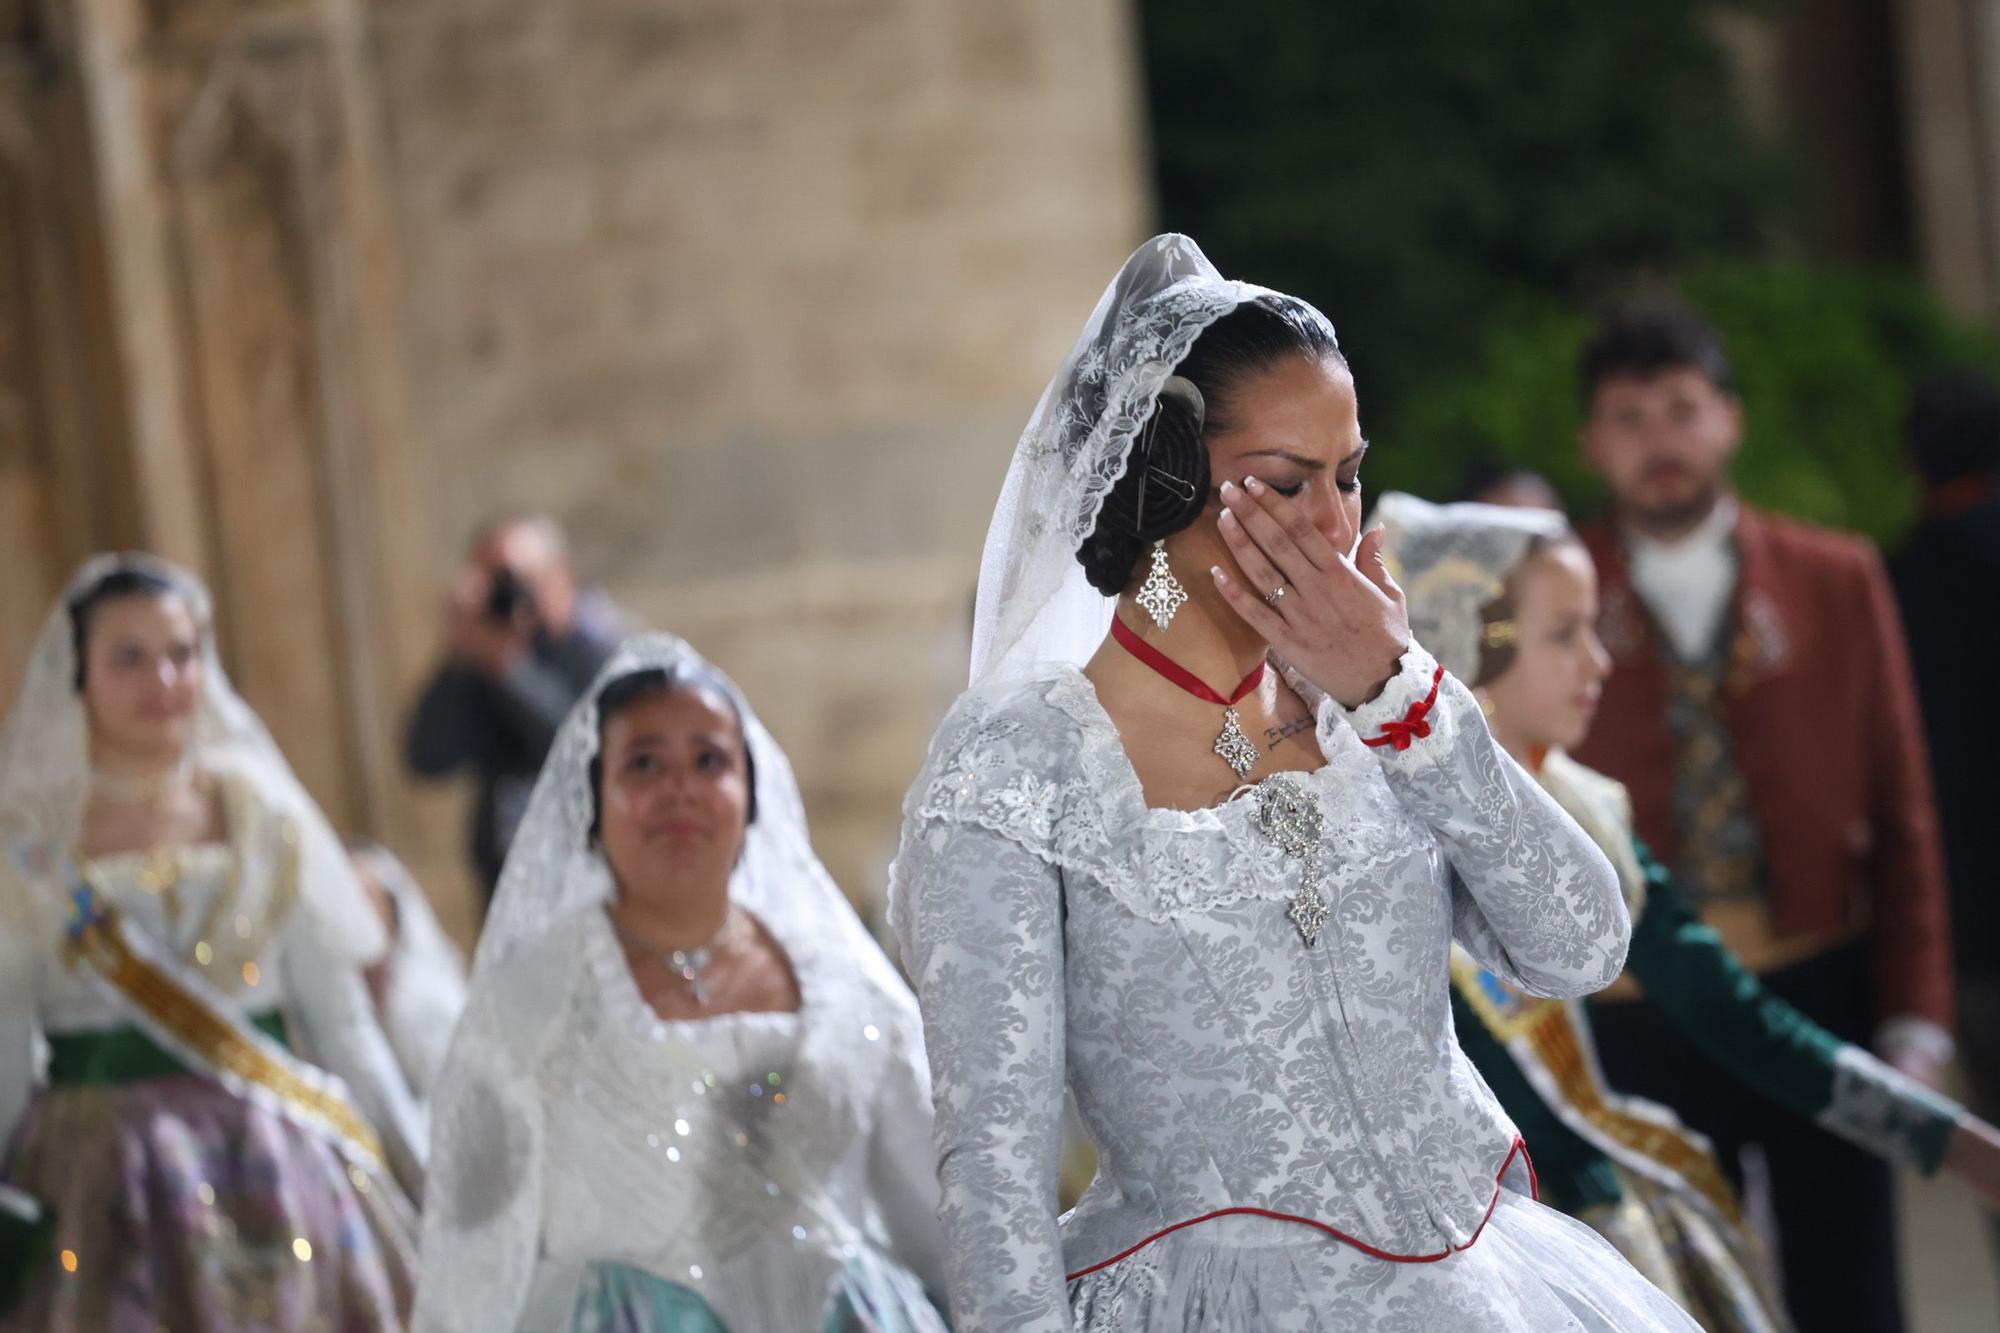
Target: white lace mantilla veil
[
  {"x": 45, "y": 762},
  {"x": 554, "y": 873},
  {"x": 1034, "y": 603},
  {"x": 486, "y": 1123}
]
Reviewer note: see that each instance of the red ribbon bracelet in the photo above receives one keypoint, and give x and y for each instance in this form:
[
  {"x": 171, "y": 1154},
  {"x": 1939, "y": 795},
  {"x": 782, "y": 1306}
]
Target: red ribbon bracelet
[{"x": 1415, "y": 724}]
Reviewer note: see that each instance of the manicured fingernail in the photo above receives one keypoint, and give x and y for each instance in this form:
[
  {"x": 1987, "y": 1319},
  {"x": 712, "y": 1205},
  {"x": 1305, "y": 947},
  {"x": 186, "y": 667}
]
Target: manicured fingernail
[
  {"x": 1227, "y": 487},
  {"x": 1216, "y": 572},
  {"x": 1254, "y": 486},
  {"x": 1229, "y": 517}
]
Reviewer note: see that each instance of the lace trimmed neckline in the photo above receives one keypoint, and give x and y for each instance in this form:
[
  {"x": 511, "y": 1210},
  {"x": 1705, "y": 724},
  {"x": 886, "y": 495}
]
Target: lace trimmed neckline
[
  {"x": 1113, "y": 773},
  {"x": 628, "y": 1006}
]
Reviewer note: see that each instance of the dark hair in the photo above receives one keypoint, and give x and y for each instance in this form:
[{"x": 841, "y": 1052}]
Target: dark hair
[
  {"x": 1165, "y": 487},
  {"x": 1485, "y": 473},
  {"x": 624, "y": 691},
  {"x": 1645, "y": 338},
  {"x": 1953, "y": 425},
  {"x": 125, "y": 581}
]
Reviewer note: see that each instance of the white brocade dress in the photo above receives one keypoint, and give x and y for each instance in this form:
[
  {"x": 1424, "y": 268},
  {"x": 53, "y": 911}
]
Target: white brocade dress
[
  {"x": 748, "y": 1172},
  {"x": 1289, "y": 1138}
]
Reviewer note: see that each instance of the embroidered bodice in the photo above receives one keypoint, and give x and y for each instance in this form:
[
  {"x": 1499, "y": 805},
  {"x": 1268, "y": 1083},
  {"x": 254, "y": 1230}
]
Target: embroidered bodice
[
  {"x": 1060, "y": 930},
  {"x": 228, "y": 912}
]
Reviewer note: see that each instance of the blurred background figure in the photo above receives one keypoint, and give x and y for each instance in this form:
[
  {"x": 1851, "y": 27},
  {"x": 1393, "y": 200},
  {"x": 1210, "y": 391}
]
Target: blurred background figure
[
  {"x": 1760, "y": 712},
  {"x": 418, "y": 983},
  {"x": 1947, "y": 578},
  {"x": 181, "y": 934},
  {"x": 522, "y": 643},
  {"x": 1488, "y": 480}
]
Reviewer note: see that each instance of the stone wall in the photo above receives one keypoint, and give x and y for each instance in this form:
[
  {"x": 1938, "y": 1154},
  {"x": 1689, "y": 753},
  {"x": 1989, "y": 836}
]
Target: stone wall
[{"x": 755, "y": 298}]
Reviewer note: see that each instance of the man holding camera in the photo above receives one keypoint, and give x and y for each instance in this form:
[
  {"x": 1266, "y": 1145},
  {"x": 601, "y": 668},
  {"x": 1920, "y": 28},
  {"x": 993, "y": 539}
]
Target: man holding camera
[{"x": 524, "y": 644}]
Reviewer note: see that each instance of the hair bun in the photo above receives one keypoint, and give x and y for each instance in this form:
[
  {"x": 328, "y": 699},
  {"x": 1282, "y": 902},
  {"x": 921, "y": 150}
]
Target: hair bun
[{"x": 1163, "y": 490}]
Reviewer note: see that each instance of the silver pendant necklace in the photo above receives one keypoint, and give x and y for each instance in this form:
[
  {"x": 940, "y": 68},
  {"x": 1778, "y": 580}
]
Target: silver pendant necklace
[
  {"x": 690, "y": 965},
  {"x": 1232, "y": 746}
]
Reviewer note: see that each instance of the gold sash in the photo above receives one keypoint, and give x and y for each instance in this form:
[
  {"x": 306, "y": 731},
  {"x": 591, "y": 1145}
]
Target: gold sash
[
  {"x": 1543, "y": 1038},
  {"x": 194, "y": 1022}
]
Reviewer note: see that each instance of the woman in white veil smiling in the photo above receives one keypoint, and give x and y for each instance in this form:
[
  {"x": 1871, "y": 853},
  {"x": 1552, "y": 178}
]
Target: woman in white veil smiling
[{"x": 688, "y": 1092}]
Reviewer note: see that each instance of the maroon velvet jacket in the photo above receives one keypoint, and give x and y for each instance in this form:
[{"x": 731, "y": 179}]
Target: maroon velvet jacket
[{"x": 1824, "y": 714}]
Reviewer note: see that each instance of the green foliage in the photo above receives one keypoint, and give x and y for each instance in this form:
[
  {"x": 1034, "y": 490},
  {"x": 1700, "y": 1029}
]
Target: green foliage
[
  {"x": 1824, "y": 362},
  {"x": 1407, "y": 166}
]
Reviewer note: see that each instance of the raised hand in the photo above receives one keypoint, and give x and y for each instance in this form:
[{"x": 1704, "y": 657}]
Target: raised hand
[{"x": 1337, "y": 618}]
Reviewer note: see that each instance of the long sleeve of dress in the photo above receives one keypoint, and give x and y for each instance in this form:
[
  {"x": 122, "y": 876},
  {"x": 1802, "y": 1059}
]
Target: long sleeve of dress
[
  {"x": 1534, "y": 899},
  {"x": 901, "y": 1168},
  {"x": 980, "y": 920},
  {"x": 345, "y": 1038},
  {"x": 483, "y": 1208},
  {"x": 1722, "y": 1007},
  {"x": 21, "y": 961}
]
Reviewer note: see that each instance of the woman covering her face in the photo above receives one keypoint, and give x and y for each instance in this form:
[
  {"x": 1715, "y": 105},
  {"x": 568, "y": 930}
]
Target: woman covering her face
[
  {"x": 1206, "y": 869},
  {"x": 688, "y": 1092},
  {"x": 1507, "y": 598},
  {"x": 221, "y": 1138}
]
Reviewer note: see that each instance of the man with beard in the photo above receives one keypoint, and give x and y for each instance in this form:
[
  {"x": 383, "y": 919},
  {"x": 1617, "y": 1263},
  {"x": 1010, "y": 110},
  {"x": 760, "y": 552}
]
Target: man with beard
[{"x": 1762, "y": 713}]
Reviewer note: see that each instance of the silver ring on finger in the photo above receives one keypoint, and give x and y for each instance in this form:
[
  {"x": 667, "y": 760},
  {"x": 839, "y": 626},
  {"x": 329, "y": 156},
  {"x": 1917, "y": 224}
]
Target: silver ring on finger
[{"x": 1271, "y": 597}]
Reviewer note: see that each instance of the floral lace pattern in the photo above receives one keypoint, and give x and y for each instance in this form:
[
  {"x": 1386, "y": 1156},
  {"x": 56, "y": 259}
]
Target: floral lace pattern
[
  {"x": 561, "y": 1090},
  {"x": 1886, "y": 1112},
  {"x": 1055, "y": 924},
  {"x": 1033, "y": 602}
]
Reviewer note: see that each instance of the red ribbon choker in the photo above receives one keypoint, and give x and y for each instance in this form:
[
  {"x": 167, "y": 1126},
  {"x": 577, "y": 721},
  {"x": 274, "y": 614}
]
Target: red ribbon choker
[{"x": 1129, "y": 640}]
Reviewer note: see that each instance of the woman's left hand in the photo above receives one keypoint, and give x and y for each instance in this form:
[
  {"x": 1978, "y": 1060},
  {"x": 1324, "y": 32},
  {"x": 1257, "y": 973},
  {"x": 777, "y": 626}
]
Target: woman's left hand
[{"x": 1340, "y": 620}]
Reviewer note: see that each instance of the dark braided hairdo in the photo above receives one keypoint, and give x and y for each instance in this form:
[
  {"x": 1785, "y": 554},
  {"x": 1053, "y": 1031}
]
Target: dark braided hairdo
[
  {"x": 123, "y": 581},
  {"x": 1165, "y": 486}
]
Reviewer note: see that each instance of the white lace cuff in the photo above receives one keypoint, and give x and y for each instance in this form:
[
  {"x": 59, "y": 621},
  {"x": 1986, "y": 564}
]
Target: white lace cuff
[{"x": 1404, "y": 713}]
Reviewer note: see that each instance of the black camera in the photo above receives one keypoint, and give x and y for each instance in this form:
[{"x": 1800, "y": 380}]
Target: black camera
[{"x": 508, "y": 597}]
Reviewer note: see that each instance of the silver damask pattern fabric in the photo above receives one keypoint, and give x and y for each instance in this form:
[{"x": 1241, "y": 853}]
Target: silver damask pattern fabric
[{"x": 1060, "y": 930}]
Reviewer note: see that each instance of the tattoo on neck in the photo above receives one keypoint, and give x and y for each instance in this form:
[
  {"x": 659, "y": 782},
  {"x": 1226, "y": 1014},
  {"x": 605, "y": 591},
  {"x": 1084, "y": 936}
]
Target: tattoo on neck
[{"x": 1285, "y": 731}]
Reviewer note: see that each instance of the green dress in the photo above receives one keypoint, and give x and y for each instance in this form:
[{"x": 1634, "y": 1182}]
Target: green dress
[{"x": 1628, "y": 1167}]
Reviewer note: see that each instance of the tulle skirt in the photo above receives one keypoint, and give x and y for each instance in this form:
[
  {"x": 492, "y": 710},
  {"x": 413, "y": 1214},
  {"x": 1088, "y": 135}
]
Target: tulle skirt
[
  {"x": 1532, "y": 1270},
  {"x": 1717, "y": 1272},
  {"x": 178, "y": 1205}
]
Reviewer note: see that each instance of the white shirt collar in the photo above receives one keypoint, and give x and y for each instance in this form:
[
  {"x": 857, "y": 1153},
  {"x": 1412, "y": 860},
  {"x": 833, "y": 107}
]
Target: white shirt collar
[{"x": 1687, "y": 583}]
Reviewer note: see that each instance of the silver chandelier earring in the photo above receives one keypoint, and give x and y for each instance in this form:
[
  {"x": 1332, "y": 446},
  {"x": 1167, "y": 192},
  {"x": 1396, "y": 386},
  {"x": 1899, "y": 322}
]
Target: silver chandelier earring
[{"x": 1161, "y": 595}]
